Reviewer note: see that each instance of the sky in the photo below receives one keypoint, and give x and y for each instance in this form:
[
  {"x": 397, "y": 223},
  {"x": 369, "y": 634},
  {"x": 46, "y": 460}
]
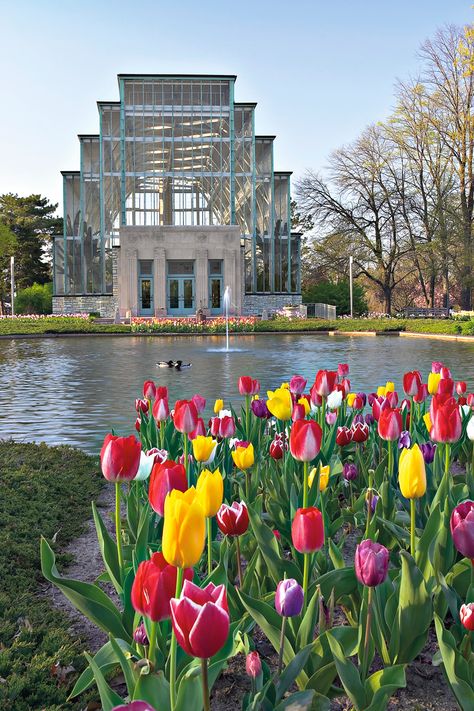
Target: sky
[{"x": 320, "y": 71}]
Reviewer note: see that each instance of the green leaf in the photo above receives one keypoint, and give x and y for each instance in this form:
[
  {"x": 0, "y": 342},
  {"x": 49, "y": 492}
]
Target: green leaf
[
  {"x": 336, "y": 555},
  {"x": 106, "y": 659},
  {"x": 108, "y": 698},
  {"x": 306, "y": 630},
  {"x": 128, "y": 673},
  {"x": 108, "y": 549},
  {"x": 342, "y": 581},
  {"x": 381, "y": 685},
  {"x": 348, "y": 674},
  {"x": 155, "y": 689},
  {"x": 268, "y": 544},
  {"x": 299, "y": 701},
  {"x": 190, "y": 691},
  {"x": 292, "y": 670},
  {"x": 456, "y": 667},
  {"x": 89, "y": 599}
]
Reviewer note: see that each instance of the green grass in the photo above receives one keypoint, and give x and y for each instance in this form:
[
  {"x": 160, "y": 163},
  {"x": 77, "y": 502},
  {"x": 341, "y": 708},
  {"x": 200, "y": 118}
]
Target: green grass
[
  {"x": 67, "y": 324},
  {"x": 43, "y": 490}
]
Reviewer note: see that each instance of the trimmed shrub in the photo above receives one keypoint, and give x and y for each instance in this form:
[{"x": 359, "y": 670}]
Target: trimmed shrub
[{"x": 36, "y": 299}]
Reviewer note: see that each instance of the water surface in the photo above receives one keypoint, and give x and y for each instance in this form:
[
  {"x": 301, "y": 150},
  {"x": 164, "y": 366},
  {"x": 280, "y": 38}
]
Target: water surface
[{"x": 74, "y": 390}]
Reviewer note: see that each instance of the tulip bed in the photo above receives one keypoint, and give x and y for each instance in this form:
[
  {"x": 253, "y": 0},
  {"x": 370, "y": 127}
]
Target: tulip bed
[{"x": 241, "y": 525}]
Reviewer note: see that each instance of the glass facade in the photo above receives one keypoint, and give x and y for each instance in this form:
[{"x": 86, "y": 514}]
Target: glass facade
[{"x": 175, "y": 151}]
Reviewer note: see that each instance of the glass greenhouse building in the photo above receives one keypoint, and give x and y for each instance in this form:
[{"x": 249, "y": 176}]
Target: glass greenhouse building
[{"x": 176, "y": 198}]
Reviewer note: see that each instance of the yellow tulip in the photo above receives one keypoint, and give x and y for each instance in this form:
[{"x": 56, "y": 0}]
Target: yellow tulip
[
  {"x": 323, "y": 477},
  {"x": 381, "y": 391},
  {"x": 285, "y": 386},
  {"x": 389, "y": 387},
  {"x": 204, "y": 448},
  {"x": 350, "y": 398},
  {"x": 280, "y": 404},
  {"x": 307, "y": 407},
  {"x": 427, "y": 421},
  {"x": 243, "y": 457},
  {"x": 412, "y": 473},
  {"x": 218, "y": 405},
  {"x": 433, "y": 382},
  {"x": 210, "y": 491},
  {"x": 184, "y": 528}
]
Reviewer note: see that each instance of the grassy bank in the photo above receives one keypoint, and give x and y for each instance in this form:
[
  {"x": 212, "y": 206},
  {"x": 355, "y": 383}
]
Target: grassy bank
[
  {"x": 44, "y": 490},
  {"x": 71, "y": 324}
]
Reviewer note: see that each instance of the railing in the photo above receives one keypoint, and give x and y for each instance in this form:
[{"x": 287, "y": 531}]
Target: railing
[
  {"x": 413, "y": 312},
  {"x": 326, "y": 311}
]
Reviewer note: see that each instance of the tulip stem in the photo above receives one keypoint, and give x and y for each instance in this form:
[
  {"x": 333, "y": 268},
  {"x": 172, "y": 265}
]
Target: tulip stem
[
  {"x": 118, "y": 531},
  {"x": 247, "y": 416},
  {"x": 282, "y": 645},
  {"x": 152, "y": 645},
  {"x": 185, "y": 458},
  {"x": 205, "y": 685},
  {"x": 305, "y": 580},
  {"x": 390, "y": 459},
  {"x": 368, "y": 625},
  {"x": 173, "y": 646},
  {"x": 411, "y": 414},
  {"x": 209, "y": 546},
  {"x": 247, "y": 485},
  {"x": 162, "y": 434},
  {"x": 447, "y": 454},
  {"x": 305, "y": 485},
  {"x": 412, "y": 527},
  {"x": 239, "y": 564}
]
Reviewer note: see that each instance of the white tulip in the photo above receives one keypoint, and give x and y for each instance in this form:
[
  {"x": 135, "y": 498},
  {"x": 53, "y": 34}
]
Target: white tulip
[
  {"x": 224, "y": 413},
  {"x": 470, "y": 429},
  {"x": 334, "y": 399},
  {"x": 146, "y": 465}
]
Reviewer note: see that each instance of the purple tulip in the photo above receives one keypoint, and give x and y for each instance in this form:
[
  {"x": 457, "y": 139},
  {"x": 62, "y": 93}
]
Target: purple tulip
[
  {"x": 371, "y": 563},
  {"x": 373, "y": 503},
  {"x": 369, "y": 418},
  {"x": 260, "y": 409},
  {"x": 297, "y": 384},
  {"x": 140, "y": 636},
  {"x": 289, "y": 598},
  {"x": 349, "y": 471},
  {"x": 358, "y": 418},
  {"x": 405, "y": 440},
  {"x": 134, "y": 706},
  {"x": 462, "y": 528},
  {"x": 428, "y": 450},
  {"x": 363, "y": 397}
]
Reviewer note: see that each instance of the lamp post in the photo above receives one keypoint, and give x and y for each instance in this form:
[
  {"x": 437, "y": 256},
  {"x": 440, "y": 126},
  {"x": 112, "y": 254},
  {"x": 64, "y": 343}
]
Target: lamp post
[
  {"x": 12, "y": 284},
  {"x": 350, "y": 286}
]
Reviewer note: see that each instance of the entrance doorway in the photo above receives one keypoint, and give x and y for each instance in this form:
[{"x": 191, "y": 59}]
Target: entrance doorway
[
  {"x": 145, "y": 288},
  {"x": 181, "y": 287},
  {"x": 216, "y": 286}
]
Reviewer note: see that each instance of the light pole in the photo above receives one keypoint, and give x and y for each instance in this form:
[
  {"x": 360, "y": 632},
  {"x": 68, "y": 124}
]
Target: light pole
[
  {"x": 12, "y": 284},
  {"x": 350, "y": 285}
]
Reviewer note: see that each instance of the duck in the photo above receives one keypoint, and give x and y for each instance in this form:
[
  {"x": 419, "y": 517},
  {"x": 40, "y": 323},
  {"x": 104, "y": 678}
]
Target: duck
[
  {"x": 179, "y": 365},
  {"x": 165, "y": 364}
]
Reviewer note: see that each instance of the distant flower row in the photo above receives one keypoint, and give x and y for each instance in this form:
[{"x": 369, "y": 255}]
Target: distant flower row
[
  {"x": 43, "y": 317},
  {"x": 192, "y": 325}
]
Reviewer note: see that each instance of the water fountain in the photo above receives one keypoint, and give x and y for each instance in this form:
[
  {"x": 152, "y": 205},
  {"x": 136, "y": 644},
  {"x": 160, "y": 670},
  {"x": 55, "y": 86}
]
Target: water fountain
[{"x": 227, "y": 302}]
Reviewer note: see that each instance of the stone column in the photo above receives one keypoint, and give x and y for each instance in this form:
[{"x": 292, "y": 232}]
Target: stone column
[
  {"x": 130, "y": 301},
  {"x": 232, "y": 278},
  {"x": 202, "y": 288},
  {"x": 159, "y": 279}
]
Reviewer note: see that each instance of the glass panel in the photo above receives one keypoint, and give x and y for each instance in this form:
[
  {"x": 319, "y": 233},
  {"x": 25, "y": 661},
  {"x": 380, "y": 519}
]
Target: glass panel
[
  {"x": 215, "y": 266},
  {"x": 146, "y": 267},
  {"x": 146, "y": 294},
  {"x": 174, "y": 293},
  {"x": 188, "y": 293},
  {"x": 215, "y": 293},
  {"x": 176, "y": 266}
]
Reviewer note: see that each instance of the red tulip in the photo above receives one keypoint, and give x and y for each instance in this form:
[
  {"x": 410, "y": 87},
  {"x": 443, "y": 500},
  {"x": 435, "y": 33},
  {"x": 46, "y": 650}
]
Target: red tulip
[
  {"x": 233, "y": 520},
  {"x": 390, "y": 424},
  {"x": 360, "y": 432},
  {"x": 392, "y": 398},
  {"x": 248, "y": 386},
  {"x": 120, "y": 457},
  {"x": 470, "y": 400},
  {"x": 358, "y": 402},
  {"x": 138, "y": 424},
  {"x": 342, "y": 370},
  {"x": 276, "y": 449},
  {"x": 185, "y": 416},
  {"x": 164, "y": 477},
  {"x": 446, "y": 424},
  {"x": 445, "y": 386},
  {"x": 142, "y": 405},
  {"x": 149, "y": 390},
  {"x": 345, "y": 386},
  {"x": 379, "y": 404},
  {"x": 299, "y": 412},
  {"x": 227, "y": 426},
  {"x": 161, "y": 409},
  {"x": 325, "y": 382},
  {"x": 462, "y": 528},
  {"x": 445, "y": 372},
  {"x": 161, "y": 392},
  {"x": 466, "y": 615},
  {"x": 305, "y": 440},
  {"x": 422, "y": 393},
  {"x": 297, "y": 384},
  {"x": 200, "y": 619},
  {"x": 200, "y": 402},
  {"x": 154, "y": 586},
  {"x": 461, "y": 387},
  {"x": 412, "y": 382},
  {"x": 307, "y": 530},
  {"x": 253, "y": 665},
  {"x": 343, "y": 436},
  {"x": 316, "y": 399},
  {"x": 200, "y": 429}
]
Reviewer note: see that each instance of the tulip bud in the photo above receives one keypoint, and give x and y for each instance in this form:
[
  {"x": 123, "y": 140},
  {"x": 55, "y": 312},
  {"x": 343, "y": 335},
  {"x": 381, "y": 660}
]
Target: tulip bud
[
  {"x": 149, "y": 390},
  {"x": 334, "y": 399},
  {"x": 343, "y": 436},
  {"x": 307, "y": 530},
  {"x": 210, "y": 491},
  {"x": 260, "y": 409},
  {"x": 218, "y": 405},
  {"x": 466, "y": 615},
  {"x": 185, "y": 416},
  {"x": 305, "y": 440},
  {"x": 371, "y": 563},
  {"x": 140, "y": 635},
  {"x": 428, "y": 450},
  {"x": 390, "y": 424},
  {"x": 142, "y": 406},
  {"x": 276, "y": 450},
  {"x": 342, "y": 370},
  {"x": 436, "y": 366},
  {"x": 349, "y": 471},
  {"x": 204, "y": 449},
  {"x": 184, "y": 529},
  {"x": 412, "y": 473},
  {"x": 299, "y": 412},
  {"x": 198, "y": 431},
  {"x": 161, "y": 409},
  {"x": 462, "y": 528},
  {"x": 331, "y": 418},
  {"x": 325, "y": 382},
  {"x": 297, "y": 384},
  {"x": 360, "y": 432},
  {"x": 253, "y": 665},
  {"x": 461, "y": 387},
  {"x": 405, "y": 440},
  {"x": 165, "y": 476},
  {"x": 233, "y": 520},
  {"x": 289, "y": 598},
  {"x": 199, "y": 401},
  {"x": 248, "y": 386},
  {"x": 134, "y": 706},
  {"x": 120, "y": 458},
  {"x": 243, "y": 456}
]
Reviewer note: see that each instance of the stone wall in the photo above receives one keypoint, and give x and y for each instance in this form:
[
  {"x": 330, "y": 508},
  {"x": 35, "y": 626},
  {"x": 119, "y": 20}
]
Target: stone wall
[
  {"x": 104, "y": 304},
  {"x": 266, "y": 304}
]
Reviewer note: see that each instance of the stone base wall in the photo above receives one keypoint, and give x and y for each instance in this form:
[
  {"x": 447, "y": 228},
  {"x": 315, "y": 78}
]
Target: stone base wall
[
  {"x": 105, "y": 305},
  {"x": 266, "y": 304}
]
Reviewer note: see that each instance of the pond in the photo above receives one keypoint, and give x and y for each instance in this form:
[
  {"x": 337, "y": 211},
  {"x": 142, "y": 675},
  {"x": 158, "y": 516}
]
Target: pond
[{"x": 74, "y": 390}]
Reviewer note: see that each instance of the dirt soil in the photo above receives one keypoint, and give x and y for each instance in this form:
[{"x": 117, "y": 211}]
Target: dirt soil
[{"x": 426, "y": 688}]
